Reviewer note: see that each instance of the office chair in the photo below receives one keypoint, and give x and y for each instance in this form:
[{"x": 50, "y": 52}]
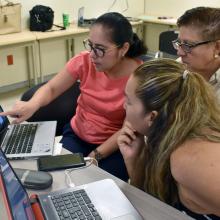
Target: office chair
[
  {"x": 165, "y": 44},
  {"x": 61, "y": 109}
]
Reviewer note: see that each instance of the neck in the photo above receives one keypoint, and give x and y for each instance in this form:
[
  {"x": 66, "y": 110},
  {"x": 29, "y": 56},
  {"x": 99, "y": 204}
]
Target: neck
[
  {"x": 120, "y": 69},
  {"x": 208, "y": 73}
]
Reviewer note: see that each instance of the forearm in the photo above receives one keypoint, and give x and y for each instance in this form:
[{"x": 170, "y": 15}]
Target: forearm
[{"x": 42, "y": 97}]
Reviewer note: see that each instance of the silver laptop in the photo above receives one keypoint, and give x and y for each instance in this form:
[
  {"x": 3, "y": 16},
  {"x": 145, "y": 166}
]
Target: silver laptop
[
  {"x": 98, "y": 200},
  {"x": 28, "y": 139}
]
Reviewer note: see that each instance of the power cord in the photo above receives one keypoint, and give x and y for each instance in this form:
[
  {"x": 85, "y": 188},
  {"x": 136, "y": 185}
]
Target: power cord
[
  {"x": 68, "y": 172},
  {"x": 113, "y": 3},
  {"x": 127, "y": 6}
]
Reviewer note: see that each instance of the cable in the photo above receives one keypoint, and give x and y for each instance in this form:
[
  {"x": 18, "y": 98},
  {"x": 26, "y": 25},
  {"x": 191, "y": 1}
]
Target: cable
[
  {"x": 91, "y": 160},
  {"x": 112, "y": 5},
  {"x": 127, "y": 6},
  {"x": 69, "y": 171}
]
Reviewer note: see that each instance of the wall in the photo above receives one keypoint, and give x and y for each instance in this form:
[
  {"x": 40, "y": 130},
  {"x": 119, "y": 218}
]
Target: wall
[
  {"x": 175, "y": 8},
  {"x": 93, "y": 8}
]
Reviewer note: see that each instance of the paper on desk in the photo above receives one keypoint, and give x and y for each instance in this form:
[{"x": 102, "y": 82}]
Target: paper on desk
[{"x": 57, "y": 149}]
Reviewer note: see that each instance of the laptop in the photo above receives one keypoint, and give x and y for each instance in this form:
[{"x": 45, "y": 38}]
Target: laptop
[
  {"x": 97, "y": 200},
  {"x": 28, "y": 139}
]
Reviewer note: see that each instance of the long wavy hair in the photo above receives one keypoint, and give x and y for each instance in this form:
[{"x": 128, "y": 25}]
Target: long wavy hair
[{"x": 186, "y": 106}]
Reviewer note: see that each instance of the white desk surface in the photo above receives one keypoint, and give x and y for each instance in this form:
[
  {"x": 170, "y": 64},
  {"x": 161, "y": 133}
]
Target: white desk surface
[
  {"x": 71, "y": 30},
  {"x": 16, "y": 38},
  {"x": 155, "y": 19},
  {"x": 28, "y": 36},
  {"x": 149, "y": 207}
]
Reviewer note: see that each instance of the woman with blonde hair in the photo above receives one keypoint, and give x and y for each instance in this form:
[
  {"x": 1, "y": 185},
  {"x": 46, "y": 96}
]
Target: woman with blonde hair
[{"x": 170, "y": 140}]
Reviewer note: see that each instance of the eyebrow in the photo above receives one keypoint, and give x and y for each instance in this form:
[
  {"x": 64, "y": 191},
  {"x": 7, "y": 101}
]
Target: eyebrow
[
  {"x": 186, "y": 41},
  {"x": 97, "y": 45}
]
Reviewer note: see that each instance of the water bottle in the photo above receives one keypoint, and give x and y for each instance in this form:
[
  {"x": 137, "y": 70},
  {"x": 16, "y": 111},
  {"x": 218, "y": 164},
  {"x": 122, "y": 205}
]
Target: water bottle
[{"x": 65, "y": 20}]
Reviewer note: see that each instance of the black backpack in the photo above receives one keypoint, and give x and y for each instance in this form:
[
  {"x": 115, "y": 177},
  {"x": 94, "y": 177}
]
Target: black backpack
[{"x": 41, "y": 18}]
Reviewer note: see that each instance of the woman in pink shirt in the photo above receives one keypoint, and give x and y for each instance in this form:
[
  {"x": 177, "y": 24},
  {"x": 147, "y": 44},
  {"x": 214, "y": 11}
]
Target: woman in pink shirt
[{"x": 103, "y": 70}]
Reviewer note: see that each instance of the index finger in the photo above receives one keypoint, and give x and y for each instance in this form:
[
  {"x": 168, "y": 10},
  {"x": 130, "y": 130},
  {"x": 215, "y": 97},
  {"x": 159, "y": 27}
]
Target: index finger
[{"x": 10, "y": 113}]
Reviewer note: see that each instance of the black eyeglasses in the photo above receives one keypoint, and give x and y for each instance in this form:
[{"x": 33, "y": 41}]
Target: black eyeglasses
[
  {"x": 187, "y": 47},
  {"x": 99, "y": 52}
]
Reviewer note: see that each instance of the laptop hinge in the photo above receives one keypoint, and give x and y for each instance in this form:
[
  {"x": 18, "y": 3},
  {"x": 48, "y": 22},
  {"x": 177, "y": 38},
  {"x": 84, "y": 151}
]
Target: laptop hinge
[{"x": 36, "y": 207}]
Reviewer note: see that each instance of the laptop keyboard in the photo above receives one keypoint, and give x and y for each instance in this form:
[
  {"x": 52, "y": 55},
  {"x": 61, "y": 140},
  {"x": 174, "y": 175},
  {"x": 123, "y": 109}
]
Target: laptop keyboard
[
  {"x": 75, "y": 205},
  {"x": 21, "y": 139}
]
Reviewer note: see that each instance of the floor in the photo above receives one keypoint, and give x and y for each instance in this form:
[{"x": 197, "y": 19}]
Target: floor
[{"x": 8, "y": 99}]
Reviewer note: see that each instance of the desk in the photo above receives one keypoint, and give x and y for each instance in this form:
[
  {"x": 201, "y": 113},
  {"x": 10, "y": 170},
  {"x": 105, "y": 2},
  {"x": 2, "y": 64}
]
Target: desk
[
  {"x": 154, "y": 19},
  {"x": 149, "y": 207}
]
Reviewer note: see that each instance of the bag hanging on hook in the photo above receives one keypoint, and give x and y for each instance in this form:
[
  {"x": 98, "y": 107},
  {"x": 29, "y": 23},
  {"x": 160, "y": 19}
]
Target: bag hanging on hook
[
  {"x": 41, "y": 18},
  {"x": 10, "y": 17}
]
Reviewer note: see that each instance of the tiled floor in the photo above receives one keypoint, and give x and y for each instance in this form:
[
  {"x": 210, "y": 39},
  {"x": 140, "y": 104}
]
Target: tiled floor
[{"x": 8, "y": 99}]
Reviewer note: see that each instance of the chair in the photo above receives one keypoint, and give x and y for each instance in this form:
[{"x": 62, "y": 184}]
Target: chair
[
  {"x": 61, "y": 109},
  {"x": 165, "y": 44}
]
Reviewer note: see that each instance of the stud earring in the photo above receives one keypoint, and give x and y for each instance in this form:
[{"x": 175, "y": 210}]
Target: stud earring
[{"x": 216, "y": 56}]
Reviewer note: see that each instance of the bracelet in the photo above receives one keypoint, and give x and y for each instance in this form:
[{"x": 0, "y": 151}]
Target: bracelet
[{"x": 98, "y": 155}]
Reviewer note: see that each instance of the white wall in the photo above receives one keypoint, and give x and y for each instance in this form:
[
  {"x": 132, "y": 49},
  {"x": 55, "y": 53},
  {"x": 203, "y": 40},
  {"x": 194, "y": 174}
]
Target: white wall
[
  {"x": 175, "y": 8},
  {"x": 93, "y": 8}
]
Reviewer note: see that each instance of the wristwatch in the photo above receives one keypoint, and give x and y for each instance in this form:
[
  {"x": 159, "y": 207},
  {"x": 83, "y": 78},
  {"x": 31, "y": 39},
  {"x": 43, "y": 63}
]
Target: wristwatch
[{"x": 98, "y": 155}]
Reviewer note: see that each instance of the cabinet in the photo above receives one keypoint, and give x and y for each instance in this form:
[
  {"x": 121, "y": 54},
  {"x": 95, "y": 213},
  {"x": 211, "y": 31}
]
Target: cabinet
[{"x": 21, "y": 69}]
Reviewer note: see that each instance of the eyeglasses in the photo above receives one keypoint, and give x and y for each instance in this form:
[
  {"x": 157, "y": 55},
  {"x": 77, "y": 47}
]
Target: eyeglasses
[
  {"x": 187, "y": 47},
  {"x": 99, "y": 52}
]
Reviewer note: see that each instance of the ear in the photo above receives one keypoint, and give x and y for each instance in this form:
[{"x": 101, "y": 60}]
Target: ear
[
  {"x": 150, "y": 117},
  {"x": 124, "y": 49}
]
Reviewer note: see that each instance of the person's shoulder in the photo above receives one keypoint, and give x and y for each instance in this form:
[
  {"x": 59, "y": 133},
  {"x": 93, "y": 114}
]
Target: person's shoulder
[
  {"x": 194, "y": 156},
  {"x": 82, "y": 58},
  {"x": 81, "y": 55}
]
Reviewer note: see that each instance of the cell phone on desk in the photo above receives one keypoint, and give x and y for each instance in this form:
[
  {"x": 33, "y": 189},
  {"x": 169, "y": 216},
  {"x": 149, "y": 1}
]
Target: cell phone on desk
[{"x": 60, "y": 162}]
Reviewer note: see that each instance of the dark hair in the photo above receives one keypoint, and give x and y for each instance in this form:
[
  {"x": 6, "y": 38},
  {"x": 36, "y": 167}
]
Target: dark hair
[
  {"x": 206, "y": 19},
  {"x": 120, "y": 31}
]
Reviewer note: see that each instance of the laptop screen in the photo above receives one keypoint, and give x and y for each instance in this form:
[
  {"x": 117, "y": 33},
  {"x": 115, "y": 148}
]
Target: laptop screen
[
  {"x": 18, "y": 199},
  {"x": 3, "y": 122}
]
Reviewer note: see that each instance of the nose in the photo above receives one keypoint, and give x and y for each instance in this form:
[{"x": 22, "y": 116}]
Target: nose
[
  {"x": 180, "y": 52},
  {"x": 92, "y": 54}
]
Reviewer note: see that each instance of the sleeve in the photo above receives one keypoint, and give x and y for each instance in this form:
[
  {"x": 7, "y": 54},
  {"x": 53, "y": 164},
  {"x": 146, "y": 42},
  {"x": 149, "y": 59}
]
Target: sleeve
[{"x": 77, "y": 65}]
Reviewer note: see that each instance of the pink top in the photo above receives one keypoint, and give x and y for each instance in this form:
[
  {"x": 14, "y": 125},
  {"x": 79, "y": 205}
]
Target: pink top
[{"x": 100, "y": 111}]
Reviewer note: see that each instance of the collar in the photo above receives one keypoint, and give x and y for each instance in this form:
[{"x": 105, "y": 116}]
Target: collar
[{"x": 215, "y": 77}]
